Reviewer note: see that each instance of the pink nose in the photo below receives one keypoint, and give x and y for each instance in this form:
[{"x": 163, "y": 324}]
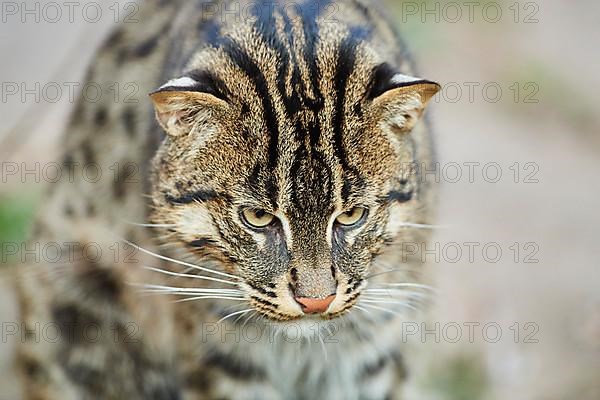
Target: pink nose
[{"x": 311, "y": 306}]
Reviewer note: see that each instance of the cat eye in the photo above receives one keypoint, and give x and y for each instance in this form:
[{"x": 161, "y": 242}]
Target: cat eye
[
  {"x": 351, "y": 217},
  {"x": 257, "y": 218}
]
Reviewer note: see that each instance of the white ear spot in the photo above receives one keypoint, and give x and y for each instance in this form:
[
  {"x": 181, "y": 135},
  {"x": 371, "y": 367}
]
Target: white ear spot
[
  {"x": 183, "y": 82},
  {"x": 400, "y": 79}
]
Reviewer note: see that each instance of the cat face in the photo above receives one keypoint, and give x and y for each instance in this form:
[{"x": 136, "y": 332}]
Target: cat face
[{"x": 290, "y": 176}]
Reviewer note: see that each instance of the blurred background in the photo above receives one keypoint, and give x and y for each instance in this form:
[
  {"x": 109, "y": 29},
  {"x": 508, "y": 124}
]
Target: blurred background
[{"x": 515, "y": 257}]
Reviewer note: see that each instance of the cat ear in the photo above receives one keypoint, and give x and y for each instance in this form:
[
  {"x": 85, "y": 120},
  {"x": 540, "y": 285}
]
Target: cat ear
[
  {"x": 184, "y": 104},
  {"x": 400, "y": 100}
]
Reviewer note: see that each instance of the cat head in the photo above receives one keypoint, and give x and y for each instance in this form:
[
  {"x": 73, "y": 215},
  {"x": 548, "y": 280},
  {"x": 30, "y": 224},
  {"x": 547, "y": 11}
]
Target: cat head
[{"x": 291, "y": 173}]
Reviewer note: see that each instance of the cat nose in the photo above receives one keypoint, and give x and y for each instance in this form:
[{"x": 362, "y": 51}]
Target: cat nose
[{"x": 312, "y": 305}]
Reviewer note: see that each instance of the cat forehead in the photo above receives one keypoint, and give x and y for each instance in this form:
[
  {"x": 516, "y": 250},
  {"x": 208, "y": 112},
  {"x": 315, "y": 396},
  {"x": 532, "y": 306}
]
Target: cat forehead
[{"x": 299, "y": 97}]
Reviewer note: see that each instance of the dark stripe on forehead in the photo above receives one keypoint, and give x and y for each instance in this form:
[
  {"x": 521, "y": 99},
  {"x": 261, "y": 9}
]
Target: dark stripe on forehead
[
  {"x": 311, "y": 38},
  {"x": 195, "y": 197},
  {"x": 239, "y": 56},
  {"x": 262, "y": 185},
  {"x": 311, "y": 182},
  {"x": 345, "y": 65},
  {"x": 298, "y": 94},
  {"x": 266, "y": 25},
  {"x": 344, "y": 68}
]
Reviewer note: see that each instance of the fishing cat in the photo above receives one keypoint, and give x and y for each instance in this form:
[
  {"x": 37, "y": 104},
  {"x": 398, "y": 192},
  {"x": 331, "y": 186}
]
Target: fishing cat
[{"x": 248, "y": 216}]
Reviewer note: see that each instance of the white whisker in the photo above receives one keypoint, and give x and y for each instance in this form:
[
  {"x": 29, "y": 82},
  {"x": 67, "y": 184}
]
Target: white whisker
[
  {"x": 389, "y": 271},
  {"x": 421, "y": 226},
  {"x": 248, "y": 318},
  {"x": 404, "y": 284},
  {"x": 388, "y": 302},
  {"x": 208, "y": 297},
  {"x": 397, "y": 293},
  {"x": 183, "y": 275},
  {"x": 233, "y": 314},
  {"x": 150, "y": 225},
  {"x": 360, "y": 308},
  {"x": 186, "y": 264},
  {"x": 238, "y": 318},
  {"x": 419, "y": 300},
  {"x": 183, "y": 289},
  {"x": 380, "y": 308},
  {"x": 198, "y": 293}
]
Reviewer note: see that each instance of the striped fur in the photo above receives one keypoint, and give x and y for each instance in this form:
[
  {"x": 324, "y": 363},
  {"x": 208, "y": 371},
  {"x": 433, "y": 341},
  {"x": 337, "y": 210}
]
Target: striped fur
[
  {"x": 301, "y": 116},
  {"x": 304, "y": 110}
]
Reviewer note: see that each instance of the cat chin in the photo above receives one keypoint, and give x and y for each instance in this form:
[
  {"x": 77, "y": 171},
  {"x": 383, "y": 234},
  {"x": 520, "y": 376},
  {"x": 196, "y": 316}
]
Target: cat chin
[{"x": 308, "y": 328}]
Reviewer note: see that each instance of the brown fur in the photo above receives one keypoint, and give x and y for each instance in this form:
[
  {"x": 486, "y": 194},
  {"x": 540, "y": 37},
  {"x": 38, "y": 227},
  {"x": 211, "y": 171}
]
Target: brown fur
[{"x": 304, "y": 117}]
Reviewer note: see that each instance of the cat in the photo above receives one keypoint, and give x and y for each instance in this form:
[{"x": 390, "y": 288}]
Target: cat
[{"x": 248, "y": 216}]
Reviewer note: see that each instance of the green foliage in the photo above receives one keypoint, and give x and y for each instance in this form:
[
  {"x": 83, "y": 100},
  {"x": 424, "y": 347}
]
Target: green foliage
[
  {"x": 461, "y": 378},
  {"x": 16, "y": 213}
]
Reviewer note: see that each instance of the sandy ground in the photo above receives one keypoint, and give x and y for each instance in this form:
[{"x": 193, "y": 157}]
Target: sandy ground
[{"x": 542, "y": 292}]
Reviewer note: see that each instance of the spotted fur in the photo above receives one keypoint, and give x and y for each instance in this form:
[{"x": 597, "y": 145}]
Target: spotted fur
[{"x": 304, "y": 110}]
